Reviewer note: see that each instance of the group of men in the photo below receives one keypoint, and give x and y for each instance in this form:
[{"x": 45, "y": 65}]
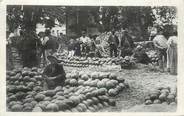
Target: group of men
[{"x": 125, "y": 44}]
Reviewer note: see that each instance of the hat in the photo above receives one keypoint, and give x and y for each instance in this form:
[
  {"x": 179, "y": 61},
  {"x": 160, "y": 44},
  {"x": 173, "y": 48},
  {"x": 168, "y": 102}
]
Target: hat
[{"x": 53, "y": 59}]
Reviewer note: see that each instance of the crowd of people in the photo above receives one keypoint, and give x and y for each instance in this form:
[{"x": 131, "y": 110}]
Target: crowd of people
[{"x": 35, "y": 48}]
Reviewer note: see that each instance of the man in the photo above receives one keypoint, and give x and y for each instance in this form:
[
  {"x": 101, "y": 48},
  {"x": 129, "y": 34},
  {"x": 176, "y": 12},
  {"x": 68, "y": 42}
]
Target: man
[
  {"x": 53, "y": 74},
  {"x": 51, "y": 44},
  {"x": 160, "y": 43},
  {"x": 85, "y": 42},
  {"x": 113, "y": 44},
  {"x": 127, "y": 44},
  {"x": 60, "y": 39}
]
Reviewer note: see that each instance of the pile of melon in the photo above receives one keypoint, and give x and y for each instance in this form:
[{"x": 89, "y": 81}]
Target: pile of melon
[
  {"x": 153, "y": 55},
  {"x": 128, "y": 62},
  {"x": 162, "y": 95},
  {"x": 83, "y": 91},
  {"x": 22, "y": 83},
  {"x": 85, "y": 62}
]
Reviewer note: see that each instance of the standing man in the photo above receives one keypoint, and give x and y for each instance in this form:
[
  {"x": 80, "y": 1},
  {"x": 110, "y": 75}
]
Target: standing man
[
  {"x": 85, "y": 43},
  {"x": 113, "y": 44},
  {"x": 127, "y": 45},
  {"x": 160, "y": 43}
]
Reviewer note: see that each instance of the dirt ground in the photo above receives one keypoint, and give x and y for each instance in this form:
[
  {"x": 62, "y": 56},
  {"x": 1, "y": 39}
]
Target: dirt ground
[{"x": 141, "y": 81}]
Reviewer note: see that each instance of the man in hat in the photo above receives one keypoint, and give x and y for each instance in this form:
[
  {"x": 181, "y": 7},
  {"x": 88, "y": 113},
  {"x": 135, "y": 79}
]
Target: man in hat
[
  {"x": 113, "y": 44},
  {"x": 127, "y": 44},
  {"x": 160, "y": 43},
  {"x": 54, "y": 74},
  {"x": 85, "y": 42}
]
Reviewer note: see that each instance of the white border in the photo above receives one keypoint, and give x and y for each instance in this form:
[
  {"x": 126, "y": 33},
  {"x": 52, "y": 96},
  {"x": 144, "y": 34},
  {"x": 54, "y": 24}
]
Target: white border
[{"x": 178, "y": 3}]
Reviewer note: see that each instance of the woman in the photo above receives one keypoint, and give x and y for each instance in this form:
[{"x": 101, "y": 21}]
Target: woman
[{"x": 172, "y": 54}]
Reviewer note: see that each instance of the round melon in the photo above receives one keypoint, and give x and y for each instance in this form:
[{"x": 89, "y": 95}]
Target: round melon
[
  {"x": 85, "y": 77},
  {"x": 148, "y": 102},
  {"x": 112, "y": 102},
  {"x": 163, "y": 97},
  {"x": 73, "y": 82},
  {"x": 39, "y": 97},
  {"x": 52, "y": 107},
  {"x": 100, "y": 106},
  {"x": 94, "y": 75},
  {"x": 62, "y": 105},
  {"x": 101, "y": 84},
  {"x": 170, "y": 98},
  {"x": 112, "y": 92},
  {"x": 113, "y": 76},
  {"x": 120, "y": 79},
  {"x": 37, "y": 109},
  {"x": 50, "y": 93},
  {"x": 156, "y": 101},
  {"x": 153, "y": 96},
  {"x": 17, "y": 108}
]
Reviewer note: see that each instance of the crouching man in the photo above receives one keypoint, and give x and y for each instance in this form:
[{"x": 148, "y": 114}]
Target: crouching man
[{"x": 54, "y": 74}]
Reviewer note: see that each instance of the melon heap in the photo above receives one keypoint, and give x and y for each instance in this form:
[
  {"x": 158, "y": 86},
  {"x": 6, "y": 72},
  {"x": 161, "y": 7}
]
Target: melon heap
[
  {"x": 162, "y": 95},
  {"x": 83, "y": 91},
  {"x": 86, "y": 62}
]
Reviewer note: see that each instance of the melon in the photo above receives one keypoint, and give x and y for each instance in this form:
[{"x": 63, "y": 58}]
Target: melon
[
  {"x": 112, "y": 102},
  {"x": 47, "y": 99},
  {"x": 100, "y": 106},
  {"x": 91, "y": 109},
  {"x": 68, "y": 75},
  {"x": 163, "y": 96},
  {"x": 94, "y": 75},
  {"x": 95, "y": 100},
  {"x": 103, "y": 98},
  {"x": 105, "y": 104},
  {"x": 62, "y": 105},
  {"x": 113, "y": 76},
  {"x": 95, "y": 107},
  {"x": 153, "y": 96},
  {"x": 37, "y": 109},
  {"x": 101, "y": 84},
  {"x": 81, "y": 82},
  {"x": 79, "y": 109},
  {"x": 60, "y": 97},
  {"x": 85, "y": 77},
  {"x": 120, "y": 79},
  {"x": 156, "y": 101},
  {"x": 50, "y": 93},
  {"x": 39, "y": 97},
  {"x": 52, "y": 107},
  {"x": 75, "y": 99},
  {"x": 170, "y": 98},
  {"x": 17, "y": 108},
  {"x": 111, "y": 84},
  {"x": 27, "y": 109},
  {"x": 147, "y": 98},
  {"x": 28, "y": 100},
  {"x": 148, "y": 102},
  {"x": 112, "y": 92},
  {"x": 166, "y": 91},
  {"x": 73, "y": 82}
]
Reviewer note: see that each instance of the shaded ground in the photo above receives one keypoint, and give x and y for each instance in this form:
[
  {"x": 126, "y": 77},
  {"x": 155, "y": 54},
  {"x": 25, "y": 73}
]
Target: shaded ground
[{"x": 141, "y": 81}]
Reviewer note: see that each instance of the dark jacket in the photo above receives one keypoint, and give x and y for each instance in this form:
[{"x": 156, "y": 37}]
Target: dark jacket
[
  {"x": 126, "y": 42},
  {"x": 55, "y": 70},
  {"x": 113, "y": 39}
]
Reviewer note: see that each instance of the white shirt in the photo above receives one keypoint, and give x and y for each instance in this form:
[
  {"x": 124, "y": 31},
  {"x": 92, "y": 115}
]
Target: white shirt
[
  {"x": 85, "y": 39},
  {"x": 160, "y": 40},
  {"x": 44, "y": 40}
]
